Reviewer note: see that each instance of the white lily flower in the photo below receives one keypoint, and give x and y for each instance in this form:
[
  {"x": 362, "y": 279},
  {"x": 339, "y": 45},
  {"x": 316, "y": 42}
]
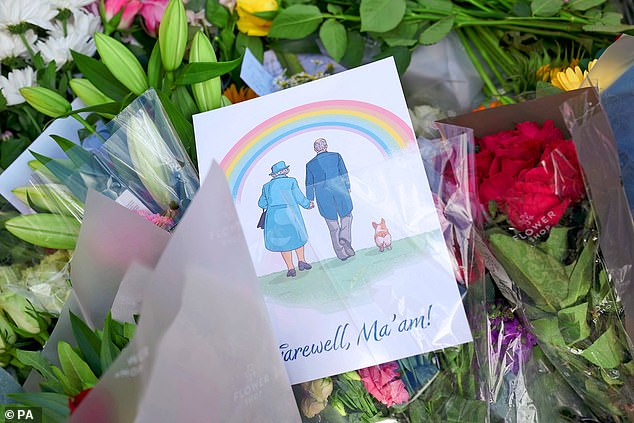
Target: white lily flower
[
  {"x": 35, "y": 12},
  {"x": 78, "y": 36},
  {"x": 12, "y": 46},
  {"x": 16, "y": 79}
]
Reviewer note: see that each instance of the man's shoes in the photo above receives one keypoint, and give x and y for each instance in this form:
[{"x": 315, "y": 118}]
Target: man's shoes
[
  {"x": 291, "y": 273},
  {"x": 302, "y": 265},
  {"x": 347, "y": 248}
]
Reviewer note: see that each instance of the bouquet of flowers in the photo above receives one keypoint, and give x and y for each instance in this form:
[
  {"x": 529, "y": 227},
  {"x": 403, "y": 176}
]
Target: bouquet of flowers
[
  {"x": 142, "y": 165},
  {"x": 543, "y": 226}
]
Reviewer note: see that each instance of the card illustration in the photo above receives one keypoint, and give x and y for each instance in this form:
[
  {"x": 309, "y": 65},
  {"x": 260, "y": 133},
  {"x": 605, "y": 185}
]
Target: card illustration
[{"x": 335, "y": 206}]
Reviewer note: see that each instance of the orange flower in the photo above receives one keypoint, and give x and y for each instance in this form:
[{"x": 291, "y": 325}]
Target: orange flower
[
  {"x": 236, "y": 96},
  {"x": 491, "y": 105}
]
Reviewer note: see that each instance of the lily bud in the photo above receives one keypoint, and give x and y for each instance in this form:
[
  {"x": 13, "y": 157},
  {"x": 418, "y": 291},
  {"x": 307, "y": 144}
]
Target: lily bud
[
  {"x": 46, "y": 101},
  {"x": 88, "y": 93},
  {"x": 22, "y": 312},
  {"x": 173, "y": 35},
  {"x": 121, "y": 63},
  {"x": 53, "y": 198},
  {"x": 208, "y": 93},
  {"x": 46, "y": 230},
  {"x": 152, "y": 160}
]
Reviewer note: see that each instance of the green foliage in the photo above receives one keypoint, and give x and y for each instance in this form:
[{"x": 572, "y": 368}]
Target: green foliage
[
  {"x": 296, "y": 22},
  {"x": 335, "y": 38},
  {"x": 381, "y": 15}
]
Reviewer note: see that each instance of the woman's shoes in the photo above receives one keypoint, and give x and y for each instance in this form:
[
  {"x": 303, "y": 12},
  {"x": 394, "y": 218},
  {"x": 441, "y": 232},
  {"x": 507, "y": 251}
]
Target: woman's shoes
[{"x": 302, "y": 265}]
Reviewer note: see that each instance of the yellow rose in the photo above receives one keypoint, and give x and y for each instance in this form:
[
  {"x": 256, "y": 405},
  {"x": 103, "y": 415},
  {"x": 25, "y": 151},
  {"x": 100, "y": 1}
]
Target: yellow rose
[{"x": 248, "y": 22}]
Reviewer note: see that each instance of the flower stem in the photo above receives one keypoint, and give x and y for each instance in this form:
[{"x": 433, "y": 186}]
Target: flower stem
[
  {"x": 474, "y": 59},
  {"x": 28, "y": 47},
  {"x": 88, "y": 126},
  {"x": 29, "y": 113}
]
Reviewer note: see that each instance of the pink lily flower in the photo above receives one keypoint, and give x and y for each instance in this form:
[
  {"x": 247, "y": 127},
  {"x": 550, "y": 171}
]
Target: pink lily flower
[
  {"x": 130, "y": 10},
  {"x": 152, "y": 13}
]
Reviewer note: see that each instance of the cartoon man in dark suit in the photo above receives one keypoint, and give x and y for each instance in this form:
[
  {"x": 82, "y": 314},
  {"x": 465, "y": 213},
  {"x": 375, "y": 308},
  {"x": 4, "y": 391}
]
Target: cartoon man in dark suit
[{"x": 327, "y": 181}]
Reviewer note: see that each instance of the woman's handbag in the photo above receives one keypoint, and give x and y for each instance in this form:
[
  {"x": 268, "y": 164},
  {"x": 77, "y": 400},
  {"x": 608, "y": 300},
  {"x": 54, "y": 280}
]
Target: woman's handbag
[{"x": 262, "y": 218}]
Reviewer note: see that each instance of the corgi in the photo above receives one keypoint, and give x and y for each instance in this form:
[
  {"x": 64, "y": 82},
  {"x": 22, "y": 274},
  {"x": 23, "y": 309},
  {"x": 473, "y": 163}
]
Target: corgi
[{"x": 382, "y": 237}]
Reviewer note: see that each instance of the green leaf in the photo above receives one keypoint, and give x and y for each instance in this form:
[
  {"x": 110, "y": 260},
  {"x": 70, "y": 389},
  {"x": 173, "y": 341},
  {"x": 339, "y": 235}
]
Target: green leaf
[
  {"x": 401, "y": 55},
  {"x": 522, "y": 9},
  {"x": 65, "y": 173},
  {"x": 573, "y": 324},
  {"x": 112, "y": 108},
  {"x": 437, "y": 5},
  {"x": 183, "y": 127},
  {"x": 606, "y": 352},
  {"x": 244, "y": 41},
  {"x": 154, "y": 67},
  {"x": 547, "y": 331},
  {"x": 581, "y": 274},
  {"x": 74, "y": 152},
  {"x": 76, "y": 369},
  {"x": 354, "y": 50},
  {"x": 109, "y": 350},
  {"x": 541, "y": 276},
  {"x": 546, "y": 7},
  {"x": 583, "y": 5},
  {"x": 217, "y": 14},
  {"x": 296, "y": 22},
  {"x": 193, "y": 73},
  {"x": 39, "y": 363},
  {"x": 381, "y": 15},
  {"x": 608, "y": 29},
  {"x": 69, "y": 388},
  {"x": 54, "y": 405},
  {"x": 97, "y": 73},
  {"x": 334, "y": 9},
  {"x": 403, "y": 35},
  {"x": 437, "y": 31},
  {"x": 88, "y": 342},
  {"x": 335, "y": 38},
  {"x": 184, "y": 101},
  {"x": 267, "y": 15},
  {"x": 11, "y": 149},
  {"x": 557, "y": 243}
]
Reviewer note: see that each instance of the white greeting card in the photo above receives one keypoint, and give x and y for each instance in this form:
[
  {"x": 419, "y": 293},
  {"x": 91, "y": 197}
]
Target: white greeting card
[{"x": 351, "y": 259}]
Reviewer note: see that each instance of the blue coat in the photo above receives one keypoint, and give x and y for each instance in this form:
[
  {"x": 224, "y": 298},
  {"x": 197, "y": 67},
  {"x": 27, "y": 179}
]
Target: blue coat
[
  {"x": 327, "y": 180},
  {"x": 284, "y": 228}
]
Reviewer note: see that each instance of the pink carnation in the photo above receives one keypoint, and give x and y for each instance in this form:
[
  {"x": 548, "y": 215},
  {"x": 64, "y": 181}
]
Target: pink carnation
[
  {"x": 159, "y": 220},
  {"x": 382, "y": 383}
]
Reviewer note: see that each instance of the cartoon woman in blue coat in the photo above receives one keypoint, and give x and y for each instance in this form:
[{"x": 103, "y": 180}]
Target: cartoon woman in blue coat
[{"x": 284, "y": 228}]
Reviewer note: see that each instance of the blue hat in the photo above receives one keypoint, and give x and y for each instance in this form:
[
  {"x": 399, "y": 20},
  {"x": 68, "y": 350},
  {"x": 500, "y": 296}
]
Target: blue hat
[{"x": 278, "y": 167}]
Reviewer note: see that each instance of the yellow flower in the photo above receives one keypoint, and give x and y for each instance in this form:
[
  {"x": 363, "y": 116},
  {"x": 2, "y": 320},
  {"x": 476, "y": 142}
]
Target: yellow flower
[
  {"x": 251, "y": 24},
  {"x": 571, "y": 78}
]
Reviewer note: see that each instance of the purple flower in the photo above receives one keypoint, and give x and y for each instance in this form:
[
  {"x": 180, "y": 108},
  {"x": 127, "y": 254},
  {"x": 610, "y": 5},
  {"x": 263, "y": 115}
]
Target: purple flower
[{"x": 509, "y": 336}]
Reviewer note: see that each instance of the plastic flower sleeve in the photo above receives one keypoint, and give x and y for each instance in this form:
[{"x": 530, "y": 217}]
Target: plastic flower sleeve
[
  {"x": 145, "y": 151},
  {"x": 142, "y": 165},
  {"x": 542, "y": 228}
]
